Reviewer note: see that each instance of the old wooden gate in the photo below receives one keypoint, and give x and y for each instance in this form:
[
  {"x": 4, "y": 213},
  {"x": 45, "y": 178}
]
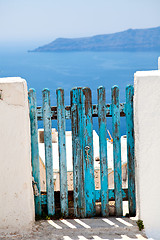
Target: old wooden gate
[{"x": 81, "y": 111}]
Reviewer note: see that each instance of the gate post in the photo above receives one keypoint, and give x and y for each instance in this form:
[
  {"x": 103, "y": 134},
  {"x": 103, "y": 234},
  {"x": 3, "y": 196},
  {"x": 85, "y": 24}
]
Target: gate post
[
  {"x": 16, "y": 196},
  {"x": 147, "y": 149}
]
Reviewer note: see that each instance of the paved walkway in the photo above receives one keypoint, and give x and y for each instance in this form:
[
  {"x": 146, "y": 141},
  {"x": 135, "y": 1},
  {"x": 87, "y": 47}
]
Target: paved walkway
[{"x": 83, "y": 229}]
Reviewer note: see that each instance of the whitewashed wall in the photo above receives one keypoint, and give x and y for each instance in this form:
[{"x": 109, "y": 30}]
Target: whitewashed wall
[
  {"x": 16, "y": 195},
  {"x": 147, "y": 149}
]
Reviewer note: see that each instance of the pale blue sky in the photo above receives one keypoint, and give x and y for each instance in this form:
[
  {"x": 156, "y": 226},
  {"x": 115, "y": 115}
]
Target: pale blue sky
[{"x": 41, "y": 21}]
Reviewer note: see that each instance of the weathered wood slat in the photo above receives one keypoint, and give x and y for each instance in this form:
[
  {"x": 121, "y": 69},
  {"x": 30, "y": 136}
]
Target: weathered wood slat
[
  {"x": 88, "y": 152},
  {"x": 62, "y": 152},
  {"x": 130, "y": 150},
  {"x": 34, "y": 148},
  {"x": 48, "y": 151},
  {"x": 80, "y": 149},
  {"x": 77, "y": 145},
  {"x": 103, "y": 150},
  {"x": 68, "y": 111},
  {"x": 117, "y": 150},
  {"x": 97, "y": 193}
]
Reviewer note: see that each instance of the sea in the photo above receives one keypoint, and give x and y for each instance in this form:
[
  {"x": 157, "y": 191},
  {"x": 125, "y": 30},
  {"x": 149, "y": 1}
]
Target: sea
[{"x": 72, "y": 69}]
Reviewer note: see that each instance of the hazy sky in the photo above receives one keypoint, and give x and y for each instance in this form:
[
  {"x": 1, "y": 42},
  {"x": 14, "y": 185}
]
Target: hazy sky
[{"x": 41, "y": 21}]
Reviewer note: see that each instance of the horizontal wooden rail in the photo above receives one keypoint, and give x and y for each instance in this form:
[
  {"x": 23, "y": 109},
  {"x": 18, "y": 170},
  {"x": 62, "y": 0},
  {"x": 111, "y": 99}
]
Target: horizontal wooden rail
[
  {"x": 68, "y": 111},
  {"x": 98, "y": 195}
]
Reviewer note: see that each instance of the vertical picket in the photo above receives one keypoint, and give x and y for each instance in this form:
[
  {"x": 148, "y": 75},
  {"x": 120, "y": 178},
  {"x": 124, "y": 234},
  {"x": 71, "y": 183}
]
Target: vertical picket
[
  {"x": 130, "y": 150},
  {"x": 34, "y": 148},
  {"x": 88, "y": 152},
  {"x": 62, "y": 152},
  {"x": 81, "y": 161},
  {"x": 103, "y": 150},
  {"x": 48, "y": 151},
  {"x": 77, "y": 131},
  {"x": 117, "y": 150}
]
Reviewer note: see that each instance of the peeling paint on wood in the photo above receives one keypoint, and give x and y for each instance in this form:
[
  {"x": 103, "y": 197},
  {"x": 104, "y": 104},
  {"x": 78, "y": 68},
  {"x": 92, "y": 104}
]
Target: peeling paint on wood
[
  {"x": 68, "y": 111},
  {"x": 62, "y": 152},
  {"x": 130, "y": 150},
  {"x": 48, "y": 152},
  {"x": 103, "y": 150},
  {"x": 77, "y": 148},
  {"x": 34, "y": 148},
  {"x": 117, "y": 150},
  {"x": 88, "y": 162}
]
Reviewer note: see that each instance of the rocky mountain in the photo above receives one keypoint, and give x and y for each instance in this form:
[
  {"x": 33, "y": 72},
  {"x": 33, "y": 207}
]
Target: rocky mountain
[{"x": 131, "y": 39}]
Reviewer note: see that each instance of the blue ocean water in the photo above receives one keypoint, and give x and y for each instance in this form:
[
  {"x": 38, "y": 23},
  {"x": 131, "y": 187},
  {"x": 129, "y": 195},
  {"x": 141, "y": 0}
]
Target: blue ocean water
[{"x": 72, "y": 69}]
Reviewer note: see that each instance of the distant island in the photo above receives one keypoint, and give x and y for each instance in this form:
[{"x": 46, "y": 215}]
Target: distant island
[{"x": 131, "y": 39}]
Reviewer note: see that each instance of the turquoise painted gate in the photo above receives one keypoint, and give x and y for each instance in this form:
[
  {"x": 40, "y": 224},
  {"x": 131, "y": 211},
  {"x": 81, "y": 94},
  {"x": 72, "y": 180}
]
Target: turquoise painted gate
[{"x": 81, "y": 111}]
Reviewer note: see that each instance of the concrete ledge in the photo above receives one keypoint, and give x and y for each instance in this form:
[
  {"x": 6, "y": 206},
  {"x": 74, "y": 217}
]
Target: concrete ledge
[
  {"x": 147, "y": 149},
  {"x": 16, "y": 200}
]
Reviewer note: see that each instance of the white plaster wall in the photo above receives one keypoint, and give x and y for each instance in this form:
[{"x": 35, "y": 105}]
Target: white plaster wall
[
  {"x": 147, "y": 149},
  {"x": 16, "y": 195}
]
